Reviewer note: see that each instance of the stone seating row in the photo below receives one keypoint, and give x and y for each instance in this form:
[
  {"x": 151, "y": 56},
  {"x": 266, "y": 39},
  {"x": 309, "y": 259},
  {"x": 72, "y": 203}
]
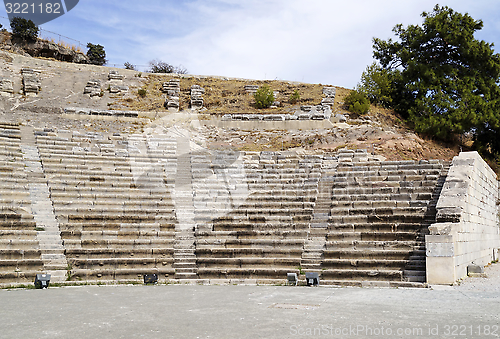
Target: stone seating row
[
  {"x": 375, "y": 211},
  {"x": 104, "y": 196},
  {"x": 202, "y": 235},
  {"x": 158, "y": 226},
  {"x": 247, "y": 263},
  {"x": 250, "y": 243},
  {"x": 352, "y": 241},
  {"x": 15, "y": 243},
  {"x": 16, "y": 265},
  {"x": 124, "y": 244},
  {"x": 128, "y": 233},
  {"x": 266, "y": 275},
  {"x": 118, "y": 274}
]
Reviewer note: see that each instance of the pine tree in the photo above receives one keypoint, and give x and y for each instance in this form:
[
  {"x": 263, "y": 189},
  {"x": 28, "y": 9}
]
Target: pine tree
[{"x": 445, "y": 81}]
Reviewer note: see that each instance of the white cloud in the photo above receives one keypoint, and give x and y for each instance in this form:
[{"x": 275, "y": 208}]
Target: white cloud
[{"x": 320, "y": 41}]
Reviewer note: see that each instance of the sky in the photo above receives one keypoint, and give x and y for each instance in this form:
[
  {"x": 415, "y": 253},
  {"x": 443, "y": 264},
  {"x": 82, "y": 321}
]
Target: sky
[{"x": 313, "y": 41}]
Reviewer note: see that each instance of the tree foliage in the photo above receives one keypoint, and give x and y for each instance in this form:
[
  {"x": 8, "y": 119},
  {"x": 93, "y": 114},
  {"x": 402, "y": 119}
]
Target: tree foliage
[
  {"x": 357, "y": 102},
  {"x": 24, "y": 29},
  {"x": 294, "y": 97},
  {"x": 128, "y": 65},
  {"x": 96, "y": 54},
  {"x": 264, "y": 97},
  {"x": 445, "y": 81},
  {"x": 376, "y": 85},
  {"x": 158, "y": 66}
]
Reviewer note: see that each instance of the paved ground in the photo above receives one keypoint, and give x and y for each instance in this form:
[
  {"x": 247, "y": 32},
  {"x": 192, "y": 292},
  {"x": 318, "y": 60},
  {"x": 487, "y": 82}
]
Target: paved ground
[{"x": 180, "y": 311}]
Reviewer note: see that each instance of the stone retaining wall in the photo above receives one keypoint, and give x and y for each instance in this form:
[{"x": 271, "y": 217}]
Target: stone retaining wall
[{"x": 466, "y": 230}]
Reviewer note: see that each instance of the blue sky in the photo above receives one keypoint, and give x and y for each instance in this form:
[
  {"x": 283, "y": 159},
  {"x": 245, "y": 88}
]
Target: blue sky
[{"x": 315, "y": 41}]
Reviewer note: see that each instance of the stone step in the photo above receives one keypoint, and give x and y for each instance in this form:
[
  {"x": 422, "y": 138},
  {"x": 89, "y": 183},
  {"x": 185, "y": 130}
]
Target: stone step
[
  {"x": 415, "y": 276},
  {"x": 186, "y": 275},
  {"x": 185, "y": 265}
]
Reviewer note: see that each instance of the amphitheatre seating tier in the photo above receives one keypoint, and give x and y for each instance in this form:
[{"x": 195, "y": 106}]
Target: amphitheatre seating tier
[
  {"x": 115, "y": 213},
  {"x": 377, "y": 219},
  {"x": 138, "y": 204},
  {"x": 264, "y": 236},
  {"x": 20, "y": 255}
]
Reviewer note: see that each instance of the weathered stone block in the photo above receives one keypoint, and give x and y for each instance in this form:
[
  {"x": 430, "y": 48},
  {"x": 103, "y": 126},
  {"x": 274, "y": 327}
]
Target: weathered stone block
[{"x": 6, "y": 86}]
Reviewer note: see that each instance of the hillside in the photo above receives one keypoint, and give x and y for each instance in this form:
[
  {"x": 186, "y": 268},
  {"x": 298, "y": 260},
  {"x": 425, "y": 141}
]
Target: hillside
[{"x": 62, "y": 85}]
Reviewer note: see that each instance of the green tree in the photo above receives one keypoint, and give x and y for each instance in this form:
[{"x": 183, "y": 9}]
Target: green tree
[
  {"x": 357, "y": 102},
  {"x": 264, "y": 97},
  {"x": 24, "y": 29},
  {"x": 376, "y": 85},
  {"x": 295, "y": 97},
  {"x": 96, "y": 54},
  {"x": 445, "y": 81}
]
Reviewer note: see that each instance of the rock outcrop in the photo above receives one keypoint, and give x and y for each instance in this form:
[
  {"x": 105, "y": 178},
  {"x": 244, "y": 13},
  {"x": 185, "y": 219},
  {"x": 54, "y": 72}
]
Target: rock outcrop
[{"x": 42, "y": 48}]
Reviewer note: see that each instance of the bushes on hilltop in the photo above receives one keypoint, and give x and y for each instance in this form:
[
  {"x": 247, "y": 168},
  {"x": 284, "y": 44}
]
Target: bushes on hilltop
[
  {"x": 96, "y": 54},
  {"x": 24, "y": 29},
  {"x": 264, "y": 97},
  {"x": 158, "y": 66},
  {"x": 357, "y": 102}
]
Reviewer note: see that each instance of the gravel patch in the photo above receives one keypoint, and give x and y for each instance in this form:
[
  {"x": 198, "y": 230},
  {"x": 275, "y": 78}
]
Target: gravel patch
[{"x": 490, "y": 283}]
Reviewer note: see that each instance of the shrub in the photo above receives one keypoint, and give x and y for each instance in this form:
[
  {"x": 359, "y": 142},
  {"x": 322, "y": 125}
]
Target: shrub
[
  {"x": 357, "y": 102},
  {"x": 264, "y": 97},
  {"x": 158, "y": 66},
  {"x": 295, "y": 97},
  {"x": 128, "y": 65},
  {"x": 142, "y": 92},
  {"x": 24, "y": 29},
  {"x": 96, "y": 54}
]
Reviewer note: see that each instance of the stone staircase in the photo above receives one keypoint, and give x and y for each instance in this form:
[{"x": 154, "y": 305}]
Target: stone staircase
[
  {"x": 49, "y": 235},
  {"x": 312, "y": 256},
  {"x": 184, "y": 248}
]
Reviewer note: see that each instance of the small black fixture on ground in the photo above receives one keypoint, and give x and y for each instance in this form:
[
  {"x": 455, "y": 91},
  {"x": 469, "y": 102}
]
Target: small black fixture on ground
[
  {"x": 151, "y": 278},
  {"x": 292, "y": 278},
  {"x": 42, "y": 281},
  {"x": 312, "y": 278}
]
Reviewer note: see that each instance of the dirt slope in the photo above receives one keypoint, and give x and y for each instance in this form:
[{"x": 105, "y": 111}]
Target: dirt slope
[{"x": 380, "y": 131}]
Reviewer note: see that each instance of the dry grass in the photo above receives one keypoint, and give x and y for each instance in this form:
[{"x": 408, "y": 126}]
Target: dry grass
[{"x": 228, "y": 96}]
